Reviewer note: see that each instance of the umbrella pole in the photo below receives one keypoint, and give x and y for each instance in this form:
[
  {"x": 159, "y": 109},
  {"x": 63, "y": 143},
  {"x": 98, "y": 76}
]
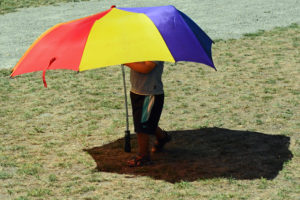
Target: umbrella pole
[{"x": 127, "y": 147}]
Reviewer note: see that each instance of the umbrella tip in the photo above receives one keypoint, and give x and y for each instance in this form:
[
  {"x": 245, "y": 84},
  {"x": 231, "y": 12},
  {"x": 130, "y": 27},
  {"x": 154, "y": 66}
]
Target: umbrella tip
[{"x": 113, "y": 6}]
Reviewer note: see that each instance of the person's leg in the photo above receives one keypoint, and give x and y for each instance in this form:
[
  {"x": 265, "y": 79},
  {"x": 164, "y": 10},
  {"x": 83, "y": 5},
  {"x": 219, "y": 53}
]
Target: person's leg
[
  {"x": 159, "y": 134},
  {"x": 143, "y": 152},
  {"x": 143, "y": 156},
  {"x": 162, "y": 138},
  {"x": 143, "y": 144}
]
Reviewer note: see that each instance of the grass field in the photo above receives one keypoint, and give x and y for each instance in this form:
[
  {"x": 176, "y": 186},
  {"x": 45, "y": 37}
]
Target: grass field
[
  {"x": 236, "y": 131},
  {"x": 7, "y": 6}
]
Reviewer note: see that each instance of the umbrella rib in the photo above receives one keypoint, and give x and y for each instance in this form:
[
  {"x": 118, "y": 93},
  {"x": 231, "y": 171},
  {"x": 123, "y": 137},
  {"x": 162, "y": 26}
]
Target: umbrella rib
[{"x": 44, "y": 71}]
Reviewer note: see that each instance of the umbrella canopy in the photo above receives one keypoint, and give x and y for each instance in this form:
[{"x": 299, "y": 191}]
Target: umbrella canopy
[{"x": 117, "y": 36}]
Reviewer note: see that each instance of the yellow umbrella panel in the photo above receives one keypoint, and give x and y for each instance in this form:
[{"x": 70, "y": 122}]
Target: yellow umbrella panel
[{"x": 123, "y": 37}]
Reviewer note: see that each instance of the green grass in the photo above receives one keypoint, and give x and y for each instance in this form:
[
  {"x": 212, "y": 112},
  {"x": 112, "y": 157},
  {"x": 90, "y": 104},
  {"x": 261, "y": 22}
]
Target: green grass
[
  {"x": 43, "y": 131},
  {"x": 7, "y": 6}
]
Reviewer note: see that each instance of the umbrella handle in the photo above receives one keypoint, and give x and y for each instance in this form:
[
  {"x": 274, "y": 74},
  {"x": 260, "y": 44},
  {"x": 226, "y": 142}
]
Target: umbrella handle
[{"x": 127, "y": 147}]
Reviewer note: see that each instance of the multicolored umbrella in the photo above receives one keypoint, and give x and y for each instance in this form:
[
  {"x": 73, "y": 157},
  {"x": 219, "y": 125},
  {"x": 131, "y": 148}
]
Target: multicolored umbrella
[{"x": 117, "y": 36}]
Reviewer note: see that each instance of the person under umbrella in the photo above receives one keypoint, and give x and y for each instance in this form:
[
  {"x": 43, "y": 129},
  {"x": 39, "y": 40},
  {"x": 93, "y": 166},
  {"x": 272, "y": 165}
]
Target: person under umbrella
[{"x": 147, "y": 99}]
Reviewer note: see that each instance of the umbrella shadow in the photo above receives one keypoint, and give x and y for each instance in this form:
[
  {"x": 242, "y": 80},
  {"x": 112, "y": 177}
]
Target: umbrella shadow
[{"x": 203, "y": 154}]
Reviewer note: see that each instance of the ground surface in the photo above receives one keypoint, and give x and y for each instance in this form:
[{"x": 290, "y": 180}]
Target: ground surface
[{"x": 236, "y": 131}]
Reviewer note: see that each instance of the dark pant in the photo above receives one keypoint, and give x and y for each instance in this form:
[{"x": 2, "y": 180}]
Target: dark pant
[{"x": 146, "y": 111}]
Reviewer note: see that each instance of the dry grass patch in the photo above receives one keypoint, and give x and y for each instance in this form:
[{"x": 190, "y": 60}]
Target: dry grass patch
[
  {"x": 7, "y": 6},
  {"x": 236, "y": 131}
]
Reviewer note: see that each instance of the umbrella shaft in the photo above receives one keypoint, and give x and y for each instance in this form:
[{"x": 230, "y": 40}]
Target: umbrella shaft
[{"x": 125, "y": 95}]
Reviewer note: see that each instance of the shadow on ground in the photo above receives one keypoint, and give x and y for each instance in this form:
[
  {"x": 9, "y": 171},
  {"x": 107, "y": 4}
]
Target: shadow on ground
[{"x": 203, "y": 154}]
